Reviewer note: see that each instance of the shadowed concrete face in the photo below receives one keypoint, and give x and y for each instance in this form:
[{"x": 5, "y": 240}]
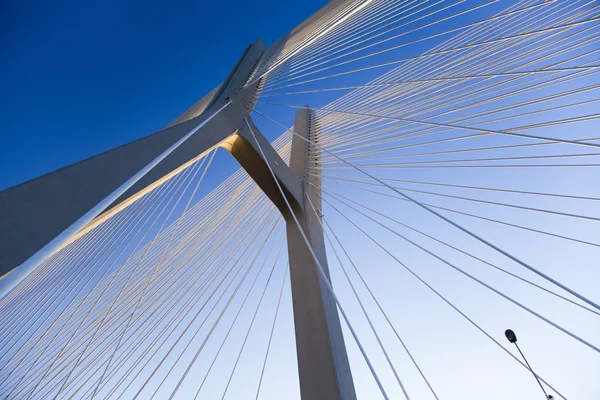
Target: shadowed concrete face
[{"x": 35, "y": 212}]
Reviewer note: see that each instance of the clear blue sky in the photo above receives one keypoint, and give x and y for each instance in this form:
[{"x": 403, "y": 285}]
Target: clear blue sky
[{"x": 80, "y": 78}]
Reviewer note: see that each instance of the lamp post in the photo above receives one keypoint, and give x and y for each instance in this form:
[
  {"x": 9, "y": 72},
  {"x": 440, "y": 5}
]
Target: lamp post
[{"x": 510, "y": 335}]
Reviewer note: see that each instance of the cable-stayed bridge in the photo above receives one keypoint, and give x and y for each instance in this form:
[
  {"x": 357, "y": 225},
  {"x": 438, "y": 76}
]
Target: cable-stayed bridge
[{"x": 414, "y": 178}]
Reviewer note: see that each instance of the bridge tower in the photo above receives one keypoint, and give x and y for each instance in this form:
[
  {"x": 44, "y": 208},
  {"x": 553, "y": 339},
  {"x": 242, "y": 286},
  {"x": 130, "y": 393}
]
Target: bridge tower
[{"x": 69, "y": 199}]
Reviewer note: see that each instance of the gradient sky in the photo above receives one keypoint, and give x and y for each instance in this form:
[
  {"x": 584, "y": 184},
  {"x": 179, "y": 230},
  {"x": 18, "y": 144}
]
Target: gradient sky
[{"x": 81, "y": 79}]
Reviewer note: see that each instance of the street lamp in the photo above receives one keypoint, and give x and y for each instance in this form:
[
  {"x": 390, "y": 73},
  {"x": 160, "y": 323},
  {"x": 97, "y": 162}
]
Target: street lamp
[{"x": 510, "y": 335}]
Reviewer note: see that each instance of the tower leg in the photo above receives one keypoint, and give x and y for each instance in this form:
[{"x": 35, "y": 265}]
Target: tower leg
[{"x": 322, "y": 360}]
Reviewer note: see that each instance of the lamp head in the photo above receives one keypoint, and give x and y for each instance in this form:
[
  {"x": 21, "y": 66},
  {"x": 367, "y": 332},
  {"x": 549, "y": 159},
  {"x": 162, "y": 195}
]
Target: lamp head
[{"x": 510, "y": 335}]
